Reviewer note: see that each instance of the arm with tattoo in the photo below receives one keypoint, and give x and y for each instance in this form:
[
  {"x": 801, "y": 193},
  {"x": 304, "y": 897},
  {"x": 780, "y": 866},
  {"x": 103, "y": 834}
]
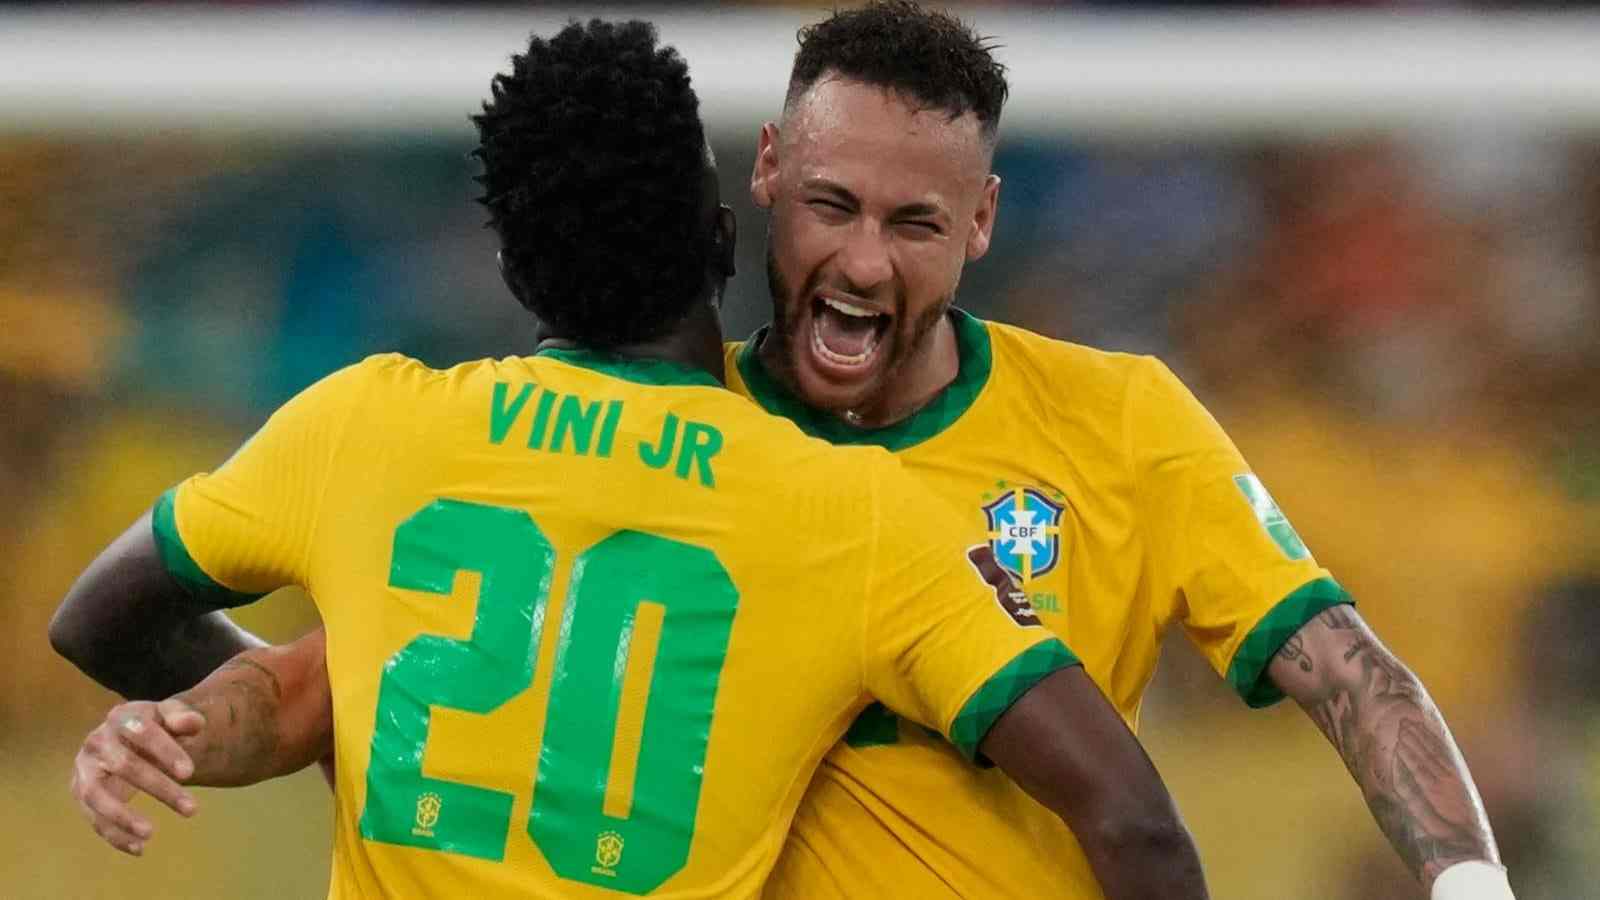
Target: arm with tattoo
[
  {"x": 266, "y": 712},
  {"x": 1391, "y": 737}
]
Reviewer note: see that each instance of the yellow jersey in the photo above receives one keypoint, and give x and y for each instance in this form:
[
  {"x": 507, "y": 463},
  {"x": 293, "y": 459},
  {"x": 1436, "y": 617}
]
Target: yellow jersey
[
  {"x": 1123, "y": 509},
  {"x": 592, "y": 622}
]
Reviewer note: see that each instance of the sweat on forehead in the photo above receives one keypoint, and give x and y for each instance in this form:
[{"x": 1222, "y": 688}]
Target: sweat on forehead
[
  {"x": 829, "y": 82},
  {"x": 838, "y": 112}
]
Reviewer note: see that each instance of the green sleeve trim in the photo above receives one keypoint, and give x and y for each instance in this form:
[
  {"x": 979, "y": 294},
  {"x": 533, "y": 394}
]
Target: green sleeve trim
[
  {"x": 181, "y": 566},
  {"x": 991, "y": 701},
  {"x": 1248, "y": 672}
]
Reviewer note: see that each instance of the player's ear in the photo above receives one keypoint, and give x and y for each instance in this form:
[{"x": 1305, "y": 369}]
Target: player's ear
[
  {"x": 983, "y": 219},
  {"x": 765, "y": 173},
  {"x": 724, "y": 240}
]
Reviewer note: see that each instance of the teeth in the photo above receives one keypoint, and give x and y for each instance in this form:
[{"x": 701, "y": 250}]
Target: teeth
[
  {"x": 839, "y": 358},
  {"x": 848, "y": 309}
]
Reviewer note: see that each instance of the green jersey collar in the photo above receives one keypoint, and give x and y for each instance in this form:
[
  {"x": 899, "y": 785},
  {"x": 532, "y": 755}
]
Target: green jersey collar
[
  {"x": 627, "y": 368},
  {"x": 975, "y": 362}
]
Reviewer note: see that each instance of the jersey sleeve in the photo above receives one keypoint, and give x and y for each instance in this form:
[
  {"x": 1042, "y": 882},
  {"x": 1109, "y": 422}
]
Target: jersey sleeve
[
  {"x": 232, "y": 535},
  {"x": 950, "y": 641},
  {"x": 1243, "y": 580}
]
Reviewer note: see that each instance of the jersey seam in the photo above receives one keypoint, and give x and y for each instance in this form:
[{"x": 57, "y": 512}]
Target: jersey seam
[
  {"x": 1179, "y": 550},
  {"x": 1130, "y": 461},
  {"x": 318, "y": 511},
  {"x": 1128, "y": 449},
  {"x": 866, "y": 581},
  {"x": 827, "y": 747}
]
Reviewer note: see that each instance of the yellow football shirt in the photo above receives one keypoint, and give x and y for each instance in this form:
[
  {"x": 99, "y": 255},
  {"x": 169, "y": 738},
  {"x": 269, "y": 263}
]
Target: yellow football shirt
[
  {"x": 592, "y": 622},
  {"x": 1117, "y": 501}
]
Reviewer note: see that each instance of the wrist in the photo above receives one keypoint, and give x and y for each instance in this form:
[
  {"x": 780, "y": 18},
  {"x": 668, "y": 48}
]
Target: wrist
[{"x": 1472, "y": 880}]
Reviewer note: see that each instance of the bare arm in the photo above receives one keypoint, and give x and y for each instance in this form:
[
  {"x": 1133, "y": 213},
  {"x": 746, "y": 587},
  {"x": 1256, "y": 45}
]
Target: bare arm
[
  {"x": 132, "y": 627},
  {"x": 264, "y": 713},
  {"x": 1065, "y": 745},
  {"x": 1392, "y": 739}
]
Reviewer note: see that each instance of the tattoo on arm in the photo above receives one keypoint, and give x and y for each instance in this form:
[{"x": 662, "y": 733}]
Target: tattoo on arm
[
  {"x": 1390, "y": 736},
  {"x": 240, "y": 751},
  {"x": 1294, "y": 650},
  {"x": 244, "y": 662},
  {"x": 1357, "y": 646}
]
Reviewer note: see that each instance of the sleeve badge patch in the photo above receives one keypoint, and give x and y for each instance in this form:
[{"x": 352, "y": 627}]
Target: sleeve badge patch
[
  {"x": 1271, "y": 517},
  {"x": 1013, "y": 601}
]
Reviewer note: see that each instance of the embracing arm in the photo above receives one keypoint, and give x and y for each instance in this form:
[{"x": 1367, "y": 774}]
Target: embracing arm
[
  {"x": 1392, "y": 739},
  {"x": 266, "y": 712},
  {"x": 132, "y": 627},
  {"x": 1065, "y": 745}
]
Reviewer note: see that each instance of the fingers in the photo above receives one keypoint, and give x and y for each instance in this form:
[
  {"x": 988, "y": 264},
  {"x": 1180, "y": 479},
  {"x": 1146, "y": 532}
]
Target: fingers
[
  {"x": 181, "y": 720},
  {"x": 135, "y": 749},
  {"x": 119, "y": 839},
  {"x": 146, "y": 733},
  {"x": 149, "y": 778},
  {"x": 104, "y": 802},
  {"x": 130, "y": 751}
]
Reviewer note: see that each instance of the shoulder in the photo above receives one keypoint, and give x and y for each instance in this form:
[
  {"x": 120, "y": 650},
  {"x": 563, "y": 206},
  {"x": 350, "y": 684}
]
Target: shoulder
[
  {"x": 387, "y": 390},
  {"x": 378, "y": 370},
  {"x": 399, "y": 367},
  {"x": 398, "y": 373},
  {"x": 1018, "y": 349},
  {"x": 1062, "y": 380}
]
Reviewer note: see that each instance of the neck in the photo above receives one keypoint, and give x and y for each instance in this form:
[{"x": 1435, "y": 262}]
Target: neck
[
  {"x": 918, "y": 380},
  {"x": 696, "y": 342}
]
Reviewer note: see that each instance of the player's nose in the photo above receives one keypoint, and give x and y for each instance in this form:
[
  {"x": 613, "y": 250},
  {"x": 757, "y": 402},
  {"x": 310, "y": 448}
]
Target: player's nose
[{"x": 864, "y": 259}]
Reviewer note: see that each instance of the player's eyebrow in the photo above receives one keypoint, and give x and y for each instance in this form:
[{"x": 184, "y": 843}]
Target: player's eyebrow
[
  {"x": 920, "y": 209},
  {"x": 838, "y": 191},
  {"x": 917, "y": 211}
]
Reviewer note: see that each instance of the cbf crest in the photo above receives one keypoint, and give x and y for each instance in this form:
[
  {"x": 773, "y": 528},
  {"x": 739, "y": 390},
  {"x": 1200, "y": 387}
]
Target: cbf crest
[{"x": 1025, "y": 530}]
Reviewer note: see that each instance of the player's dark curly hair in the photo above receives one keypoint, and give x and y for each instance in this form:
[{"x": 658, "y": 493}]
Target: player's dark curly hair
[
  {"x": 925, "y": 54},
  {"x": 592, "y": 151}
]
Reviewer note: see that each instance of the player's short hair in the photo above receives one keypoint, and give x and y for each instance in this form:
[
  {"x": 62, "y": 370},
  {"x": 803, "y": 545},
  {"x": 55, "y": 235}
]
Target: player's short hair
[
  {"x": 593, "y": 160},
  {"x": 924, "y": 54}
]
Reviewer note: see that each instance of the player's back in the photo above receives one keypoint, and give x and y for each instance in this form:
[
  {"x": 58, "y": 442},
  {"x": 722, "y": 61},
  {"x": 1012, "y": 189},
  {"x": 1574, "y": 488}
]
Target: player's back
[
  {"x": 591, "y": 622},
  {"x": 617, "y": 527}
]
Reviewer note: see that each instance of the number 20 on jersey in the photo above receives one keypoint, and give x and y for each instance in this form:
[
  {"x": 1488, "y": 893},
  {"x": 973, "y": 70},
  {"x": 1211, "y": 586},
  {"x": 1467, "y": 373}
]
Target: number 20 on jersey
[{"x": 583, "y": 821}]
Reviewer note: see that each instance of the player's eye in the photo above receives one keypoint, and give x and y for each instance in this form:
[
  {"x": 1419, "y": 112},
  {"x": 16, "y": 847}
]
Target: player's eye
[{"x": 831, "y": 207}]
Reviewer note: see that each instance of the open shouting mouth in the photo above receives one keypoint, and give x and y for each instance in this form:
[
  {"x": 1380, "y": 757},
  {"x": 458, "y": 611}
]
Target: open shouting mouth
[{"x": 848, "y": 335}]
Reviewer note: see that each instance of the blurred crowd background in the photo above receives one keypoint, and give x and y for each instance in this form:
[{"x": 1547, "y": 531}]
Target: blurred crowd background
[{"x": 1401, "y": 330}]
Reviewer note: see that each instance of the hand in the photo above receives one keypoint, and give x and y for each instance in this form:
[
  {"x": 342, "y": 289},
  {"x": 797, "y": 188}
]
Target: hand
[{"x": 135, "y": 749}]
